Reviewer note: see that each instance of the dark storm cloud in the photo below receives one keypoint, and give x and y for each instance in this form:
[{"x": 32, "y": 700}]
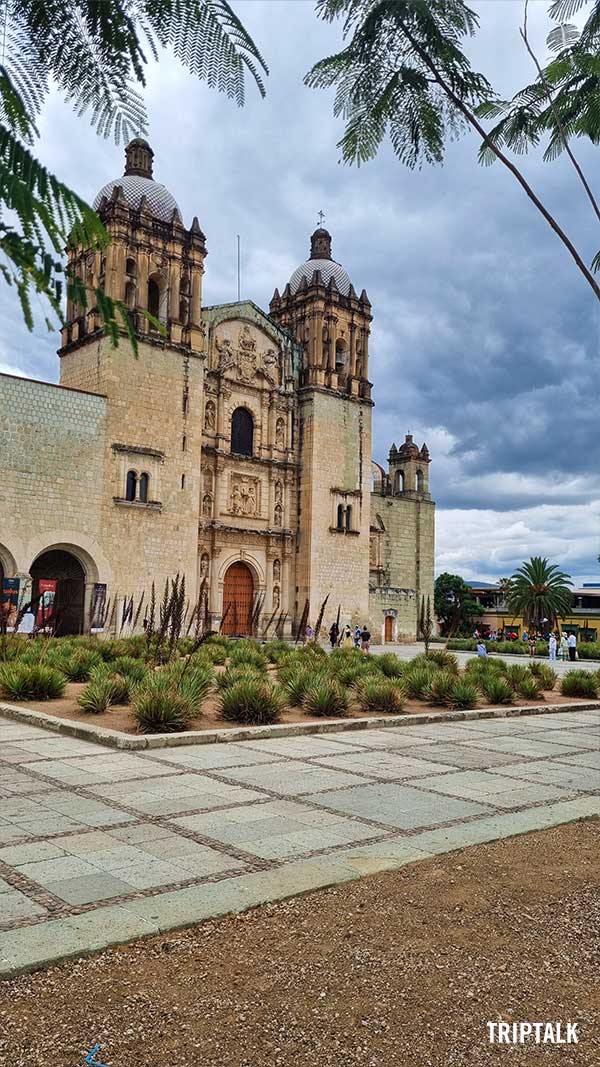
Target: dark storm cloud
[{"x": 485, "y": 338}]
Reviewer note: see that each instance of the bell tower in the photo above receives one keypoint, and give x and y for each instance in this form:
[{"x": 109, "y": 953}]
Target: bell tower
[{"x": 320, "y": 308}]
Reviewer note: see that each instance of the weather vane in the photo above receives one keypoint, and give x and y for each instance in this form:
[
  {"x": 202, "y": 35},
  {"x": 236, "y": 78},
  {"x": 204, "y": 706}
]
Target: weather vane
[{"x": 321, "y": 218}]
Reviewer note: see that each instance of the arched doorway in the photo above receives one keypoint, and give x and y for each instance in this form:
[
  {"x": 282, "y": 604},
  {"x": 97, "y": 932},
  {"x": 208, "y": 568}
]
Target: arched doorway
[
  {"x": 238, "y": 600},
  {"x": 63, "y": 568},
  {"x": 389, "y": 628}
]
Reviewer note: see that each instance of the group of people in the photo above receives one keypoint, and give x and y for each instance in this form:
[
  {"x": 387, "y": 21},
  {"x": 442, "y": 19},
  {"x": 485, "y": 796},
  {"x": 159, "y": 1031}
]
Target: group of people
[
  {"x": 346, "y": 638},
  {"x": 560, "y": 646}
]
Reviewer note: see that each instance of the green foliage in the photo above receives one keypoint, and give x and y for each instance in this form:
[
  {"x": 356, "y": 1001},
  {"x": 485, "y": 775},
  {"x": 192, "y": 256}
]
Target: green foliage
[
  {"x": 547, "y": 676},
  {"x": 380, "y": 695},
  {"x": 251, "y": 701},
  {"x": 531, "y": 688},
  {"x": 191, "y": 681},
  {"x": 389, "y": 664},
  {"x": 589, "y": 650},
  {"x": 239, "y": 673},
  {"x": 99, "y": 695},
  {"x": 497, "y": 690},
  {"x": 246, "y": 653},
  {"x": 326, "y": 697},
  {"x": 441, "y": 688},
  {"x": 455, "y": 605},
  {"x": 159, "y": 708},
  {"x": 416, "y": 681},
  {"x": 443, "y": 659},
  {"x": 577, "y": 683},
  {"x": 295, "y": 682},
  {"x": 20, "y": 681},
  {"x": 540, "y": 592},
  {"x": 464, "y": 694},
  {"x": 94, "y": 54},
  {"x": 80, "y": 664},
  {"x": 131, "y": 668}
]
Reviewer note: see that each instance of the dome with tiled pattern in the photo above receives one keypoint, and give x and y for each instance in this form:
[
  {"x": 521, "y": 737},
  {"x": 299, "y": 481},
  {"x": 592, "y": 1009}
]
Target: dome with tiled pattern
[
  {"x": 161, "y": 203},
  {"x": 329, "y": 269}
]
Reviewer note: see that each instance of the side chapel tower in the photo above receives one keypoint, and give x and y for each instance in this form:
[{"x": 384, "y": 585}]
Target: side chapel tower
[
  {"x": 319, "y": 307},
  {"x": 151, "y": 497}
]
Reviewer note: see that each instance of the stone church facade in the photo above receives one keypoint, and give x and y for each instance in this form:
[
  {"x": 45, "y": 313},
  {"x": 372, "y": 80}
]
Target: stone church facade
[{"x": 234, "y": 449}]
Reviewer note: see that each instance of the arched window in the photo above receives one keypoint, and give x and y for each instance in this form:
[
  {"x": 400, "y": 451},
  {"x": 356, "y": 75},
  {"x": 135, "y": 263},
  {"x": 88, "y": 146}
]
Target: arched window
[
  {"x": 340, "y": 354},
  {"x": 144, "y": 483},
  {"x": 130, "y": 267},
  {"x": 340, "y": 517},
  {"x": 399, "y": 481},
  {"x": 419, "y": 481},
  {"x": 349, "y": 517},
  {"x": 131, "y": 487},
  {"x": 242, "y": 432},
  {"x": 130, "y": 295},
  {"x": 153, "y": 297}
]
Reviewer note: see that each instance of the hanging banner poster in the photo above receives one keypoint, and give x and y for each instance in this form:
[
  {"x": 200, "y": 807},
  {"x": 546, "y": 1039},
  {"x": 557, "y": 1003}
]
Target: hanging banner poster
[
  {"x": 98, "y": 612},
  {"x": 47, "y": 595},
  {"x": 9, "y": 603},
  {"x": 25, "y": 594}
]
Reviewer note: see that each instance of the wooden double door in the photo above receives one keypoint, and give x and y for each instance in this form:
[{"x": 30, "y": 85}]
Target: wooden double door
[{"x": 238, "y": 600}]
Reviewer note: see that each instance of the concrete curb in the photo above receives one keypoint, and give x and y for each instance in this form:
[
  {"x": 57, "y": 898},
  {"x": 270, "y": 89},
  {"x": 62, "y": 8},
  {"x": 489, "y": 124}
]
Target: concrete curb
[{"x": 115, "y": 739}]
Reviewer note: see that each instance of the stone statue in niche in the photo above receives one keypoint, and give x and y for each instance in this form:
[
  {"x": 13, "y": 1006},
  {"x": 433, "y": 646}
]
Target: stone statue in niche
[
  {"x": 276, "y": 597},
  {"x": 227, "y": 357},
  {"x": 207, "y": 505},
  {"x": 243, "y": 497},
  {"x": 204, "y": 564},
  {"x": 276, "y": 570},
  {"x": 246, "y": 354},
  {"x": 271, "y": 366},
  {"x": 210, "y": 417},
  {"x": 278, "y": 515},
  {"x": 278, "y": 493},
  {"x": 280, "y": 433}
]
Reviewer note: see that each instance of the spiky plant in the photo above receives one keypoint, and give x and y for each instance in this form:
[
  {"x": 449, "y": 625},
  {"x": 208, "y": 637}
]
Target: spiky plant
[
  {"x": 441, "y": 687},
  {"x": 547, "y": 676},
  {"x": 132, "y": 668},
  {"x": 20, "y": 681},
  {"x": 98, "y": 695},
  {"x": 464, "y": 694},
  {"x": 578, "y": 683},
  {"x": 380, "y": 695},
  {"x": 540, "y": 592},
  {"x": 251, "y": 701},
  {"x": 497, "y": 690},
  {"x": 389, "y": 664},
  {"x": 158, "y": 708},
  {"x": 80, "y": 664},
  {"x": 326, "y": 698},
  {"x": 416, "y": 681},
  {"x": 530, "y": 687}
]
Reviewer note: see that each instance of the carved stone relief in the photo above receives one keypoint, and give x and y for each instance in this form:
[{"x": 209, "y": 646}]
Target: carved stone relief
[
  {"x": 248, "y": 353},
  {"x": 244, "y": 495}
]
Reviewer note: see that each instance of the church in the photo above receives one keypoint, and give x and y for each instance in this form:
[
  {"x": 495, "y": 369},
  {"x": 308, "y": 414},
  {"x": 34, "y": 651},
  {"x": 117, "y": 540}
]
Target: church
[{"x": 234, "y": 448}]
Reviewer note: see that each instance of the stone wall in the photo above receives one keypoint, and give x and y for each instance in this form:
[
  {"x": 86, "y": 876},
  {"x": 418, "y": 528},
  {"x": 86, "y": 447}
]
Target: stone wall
[{"x": 405, "y": 533}]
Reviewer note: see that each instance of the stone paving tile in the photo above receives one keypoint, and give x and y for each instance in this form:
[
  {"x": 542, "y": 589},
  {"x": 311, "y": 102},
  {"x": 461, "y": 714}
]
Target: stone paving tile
[
  {"x": 292, "y": 779},
  {"x": 306, "y": 747},
  {"x": 497, "y": 789},
  {"x": 185, "y": 792},
  {"x": 92, "y": 770},
  {"x": 58, "y": 746},
  {"x": 44, "y": 872},
  {"x": 30, "y": 853},
  {"x": 14, "y": 782},
  {"x": 17, "y": 731},
  {"x": 583, "y": 759},
  {"x": 460, "y": 755},
  {"x": 392, "y": 737},
  {"x": 212, "y": 757},
  {"x": 279, "y": 829},
  {"x": 90, "y": 889},
  {"x": 402, "y": 806},
  {"x": 138, "y": 833},
  {"x": 388, "y": 764},
  {"x": 574, "y": 739},
  {"x": 523, "y": 746},
  {"x": 575, "y": 778},
  {"x": 84, "y": 810},
  {"x": 15, "y": 905}
]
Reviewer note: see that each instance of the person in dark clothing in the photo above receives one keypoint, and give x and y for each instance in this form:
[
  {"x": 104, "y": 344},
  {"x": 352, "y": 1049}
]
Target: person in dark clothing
[
  {"x": 334, "y": 633},
  {"x": 365, "y": 639}
]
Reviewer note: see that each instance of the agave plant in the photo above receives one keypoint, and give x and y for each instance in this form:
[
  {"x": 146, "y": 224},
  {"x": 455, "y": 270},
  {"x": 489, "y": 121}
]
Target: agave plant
[
  {"x": 99, "y": 695},
  {"x": 326, "y": 697},
  {"x": 497, "y": 690},
  {"x": 380, "y": 695},
  {"x": 540, "y": 592},
  {"x": 464, "y": 694},
  {"x": 251, "y": 701},
  {"x": 577, "y": 683},
  {"x": 441, "y": 687}
]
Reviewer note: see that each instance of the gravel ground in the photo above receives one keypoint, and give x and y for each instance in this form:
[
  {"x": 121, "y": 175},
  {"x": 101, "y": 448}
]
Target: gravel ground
[{"x": 403, "y": 969}]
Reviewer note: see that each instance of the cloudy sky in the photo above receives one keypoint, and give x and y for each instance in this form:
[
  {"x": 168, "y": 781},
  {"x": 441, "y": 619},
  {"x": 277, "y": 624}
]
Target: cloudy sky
[{"x": 485, "y": 337}]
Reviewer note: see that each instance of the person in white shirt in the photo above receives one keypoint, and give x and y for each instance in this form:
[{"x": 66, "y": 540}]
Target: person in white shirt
[
  {"x": 27, "y": 624},
  {"x": 552, "y": 643},
  {"x": 572, "y": 643}
]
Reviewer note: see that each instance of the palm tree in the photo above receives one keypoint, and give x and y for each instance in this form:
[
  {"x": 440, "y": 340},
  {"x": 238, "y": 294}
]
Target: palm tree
[{"x": 540, "y": 592}]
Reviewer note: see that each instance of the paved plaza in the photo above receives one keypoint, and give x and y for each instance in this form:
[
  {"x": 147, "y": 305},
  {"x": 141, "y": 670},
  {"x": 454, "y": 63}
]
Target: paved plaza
[{"x": 99, "y": 846}]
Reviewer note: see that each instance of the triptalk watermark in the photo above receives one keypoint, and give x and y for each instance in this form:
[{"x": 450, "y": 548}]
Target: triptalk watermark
[{"x": 546, "y": 1033}]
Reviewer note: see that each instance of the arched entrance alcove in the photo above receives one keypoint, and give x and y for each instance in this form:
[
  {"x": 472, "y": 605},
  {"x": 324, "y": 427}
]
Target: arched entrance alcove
[
  {"x": 61, "y": 566},
  {"x": 238, "y": 599}
]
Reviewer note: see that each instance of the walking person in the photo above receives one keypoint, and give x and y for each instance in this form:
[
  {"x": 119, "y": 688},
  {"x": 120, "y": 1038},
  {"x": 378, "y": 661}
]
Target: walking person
[
  {"x": 532, "y": 644},
  {"x": 572, "y": 643},
  {"x": 552, "y": 644},
  {"x": 481, "y": 649},
  {"x": 563, "y": 648},
  {"x": 365, "y": 640},
  {"x": 347, "y": 640},
  {"x": 334, "y": 633},
  {"x": 308, "y": 634},
  {"x": 357, "y": 637}
]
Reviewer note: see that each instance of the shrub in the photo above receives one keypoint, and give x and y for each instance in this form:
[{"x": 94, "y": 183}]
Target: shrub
[
  {"x": 380, "y": 694},
  {"x": 80, "y": 665},
  {"x": 516, "y": 674},
  {"x": 497, "y": 690},
  {"x": 217, "y": 654},
  {"x": 531, "y": 687},
  {"x": 276, "y": 649},
  {"x": 441, "y": 687},
  {"x": 352, "y": 673},
  {"x": 99, "y": 695},
  {"x": 416, "y": 681},
  {"x": 577, "y": 683},
  {"x": 462, "y": 644},
  {"x": 295, "y": 683},
  {"x": 159, "y": 708},
  {"x": 237, "y": 674},
  {"x": 389, "y": 664},
  {"x": 251, "y": 701},
  {"x": 443, "y": 659},
  {"x": 325, "y": 697},
  {"x": 589, "y": 650},
  {"x": 464, "y": 694},
  {"x": 423, "y": 662},
  {"x": 129, "y": 667},
  {"x": 546, "y": 674},
  {"x": 243, "y": 653},
  {"x": 20, "y": 681},
  {"x": 193, "y": 684}
]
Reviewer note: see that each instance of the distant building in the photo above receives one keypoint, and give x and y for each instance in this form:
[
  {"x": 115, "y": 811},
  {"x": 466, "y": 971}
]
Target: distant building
[
  {"x": 582, "y": 620},
  {"x": 235, "y": 449}
]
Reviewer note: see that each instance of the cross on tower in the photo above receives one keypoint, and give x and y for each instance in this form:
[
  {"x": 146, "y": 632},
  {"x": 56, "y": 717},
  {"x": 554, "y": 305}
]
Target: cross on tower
[{"x": 321, "y": 218}]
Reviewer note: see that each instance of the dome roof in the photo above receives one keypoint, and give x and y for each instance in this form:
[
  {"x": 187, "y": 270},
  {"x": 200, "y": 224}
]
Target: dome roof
[
  {"x": 161, "y": 203},
  {"x": 329, "y": 269}
]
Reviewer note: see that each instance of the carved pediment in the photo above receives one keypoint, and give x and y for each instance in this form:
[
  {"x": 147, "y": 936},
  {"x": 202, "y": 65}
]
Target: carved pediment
[{"x": 248, "y": 354}]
